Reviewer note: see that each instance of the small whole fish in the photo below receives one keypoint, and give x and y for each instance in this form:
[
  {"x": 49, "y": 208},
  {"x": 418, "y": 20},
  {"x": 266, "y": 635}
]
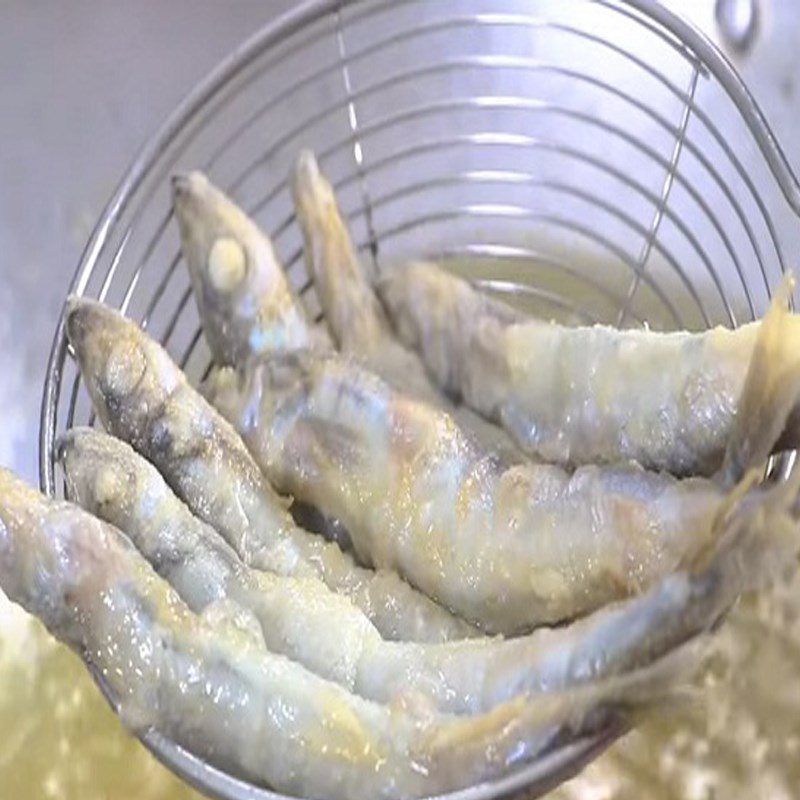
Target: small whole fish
[
  {"x": 584, "y": 395},
  {"x": 245, "y": 710},
  {"x": 143, "y": 398},
  {"x": 352, "y": 310},
  {"x": 508, "y": 548},
  {"x": 302, "y": 619},
  {"x": 246, "y": 305},
  {"x": 297, "y": 617},
  {"x": 251, "y": 318},
  {"x": 354, "y": 313}
]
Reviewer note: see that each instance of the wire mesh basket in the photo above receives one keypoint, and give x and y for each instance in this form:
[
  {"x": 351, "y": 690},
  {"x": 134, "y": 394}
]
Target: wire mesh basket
[{"x": 589, "y": 161}]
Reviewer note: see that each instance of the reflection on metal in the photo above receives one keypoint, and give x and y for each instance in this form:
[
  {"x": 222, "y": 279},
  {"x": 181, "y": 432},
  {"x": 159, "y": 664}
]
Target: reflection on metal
[{"x": 738, "y": 22}]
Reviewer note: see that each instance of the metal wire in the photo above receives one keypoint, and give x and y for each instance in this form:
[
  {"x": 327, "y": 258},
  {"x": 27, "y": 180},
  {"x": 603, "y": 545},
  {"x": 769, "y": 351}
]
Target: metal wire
[
  {"x": 484, "y": 62},
  {"x": 661, "y": 208},
  {"x": 525, "y": 141},
  {"x": 635, "y": 183},
  {"x": 606, "y": 127},
  {"x": 518, "y": 177},
  {"x": 355, "y": 138}
]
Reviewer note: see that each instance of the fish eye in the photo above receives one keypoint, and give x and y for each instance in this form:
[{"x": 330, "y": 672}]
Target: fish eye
[
  {"x": 124, "y": 369},
  {"x": 227, "y": 264},
  {"x": 105, "y": 486}
]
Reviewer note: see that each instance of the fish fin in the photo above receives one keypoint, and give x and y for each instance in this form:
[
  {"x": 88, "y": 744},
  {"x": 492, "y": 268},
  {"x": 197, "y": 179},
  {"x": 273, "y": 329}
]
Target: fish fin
[
  {"x": 769, "y": 409},
  {"x": 632, "y": 695},
  {"x": 335, "y": 442},
  {"x": 759, "y": 535},
  {"x": 525, "y": 727}
]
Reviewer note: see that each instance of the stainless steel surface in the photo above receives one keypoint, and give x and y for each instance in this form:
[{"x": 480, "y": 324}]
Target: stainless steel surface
[
  {"x": 489, "y": 135},
  {"x": 533, "y": 781},
  {"x": 90, "y": 83},
  {"x": 453, "y": 112},
  {"x": 83, "y": 85}
]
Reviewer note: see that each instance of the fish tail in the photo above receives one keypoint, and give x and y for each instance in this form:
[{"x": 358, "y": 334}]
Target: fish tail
[
  {"x": 758, "y": 541},
  {"x": 758, "y": 545},
  {"x": 522, "y": 728},
  {"x": 768, "y": 415}
]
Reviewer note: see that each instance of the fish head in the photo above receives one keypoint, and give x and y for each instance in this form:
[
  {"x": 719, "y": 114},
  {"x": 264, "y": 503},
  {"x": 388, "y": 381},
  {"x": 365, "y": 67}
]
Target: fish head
[
  {"x": 343, "y": 281},
  {"x": 100, "y": 470},
  {"x": 128, "y": 375},
  {"x": 54, "y": 557},
  {"x": 311, "y": 190},
  {"x": 241, "y": 291},
  {"x": 316, "y": 206}
]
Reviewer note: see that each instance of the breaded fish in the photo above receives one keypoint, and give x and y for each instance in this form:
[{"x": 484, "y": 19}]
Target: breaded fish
[
  {"x": 506, "y": 547},
  {"x": 143, "y": 398},
  {"x": 354, "y": 314},
  {"x": 304, "y": 620},
  {"x": 244, "y": 709},
  {"x": 597, "y": 394}
]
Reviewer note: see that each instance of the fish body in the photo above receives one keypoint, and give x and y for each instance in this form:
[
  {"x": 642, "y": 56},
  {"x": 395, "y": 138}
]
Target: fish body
[
  {"x": 297, "y": 617},
  {"x": 209, "y": 686},
  {"x": 231, "y": 702},
  {"x": 353, "y": 311},
  {"x": 143, "y": 398},
  {"x": 304, "y": 620},
  {"x": 582, "y": 395},
  {"x": 508, "y": 548}
]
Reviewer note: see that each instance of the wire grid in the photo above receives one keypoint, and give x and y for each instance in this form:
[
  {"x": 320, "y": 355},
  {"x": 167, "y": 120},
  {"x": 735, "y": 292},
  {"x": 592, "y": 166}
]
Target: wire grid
[{"x": 590, "y": 161}]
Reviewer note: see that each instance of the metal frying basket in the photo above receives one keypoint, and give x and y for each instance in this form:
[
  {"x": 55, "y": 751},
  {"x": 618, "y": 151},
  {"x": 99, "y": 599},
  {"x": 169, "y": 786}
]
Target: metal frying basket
[{"x": 591, "y": 160}]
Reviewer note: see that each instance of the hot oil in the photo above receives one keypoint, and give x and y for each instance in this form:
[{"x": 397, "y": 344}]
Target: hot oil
[
  {"x": 61, "y": 740},
  {"x": 739, "y": 740}
]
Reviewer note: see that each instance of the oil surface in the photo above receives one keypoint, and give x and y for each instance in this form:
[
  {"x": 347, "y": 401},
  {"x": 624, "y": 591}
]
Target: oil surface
[
  {"x": 60, "y": 739},
  {"x": 739, "y": 739}
]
